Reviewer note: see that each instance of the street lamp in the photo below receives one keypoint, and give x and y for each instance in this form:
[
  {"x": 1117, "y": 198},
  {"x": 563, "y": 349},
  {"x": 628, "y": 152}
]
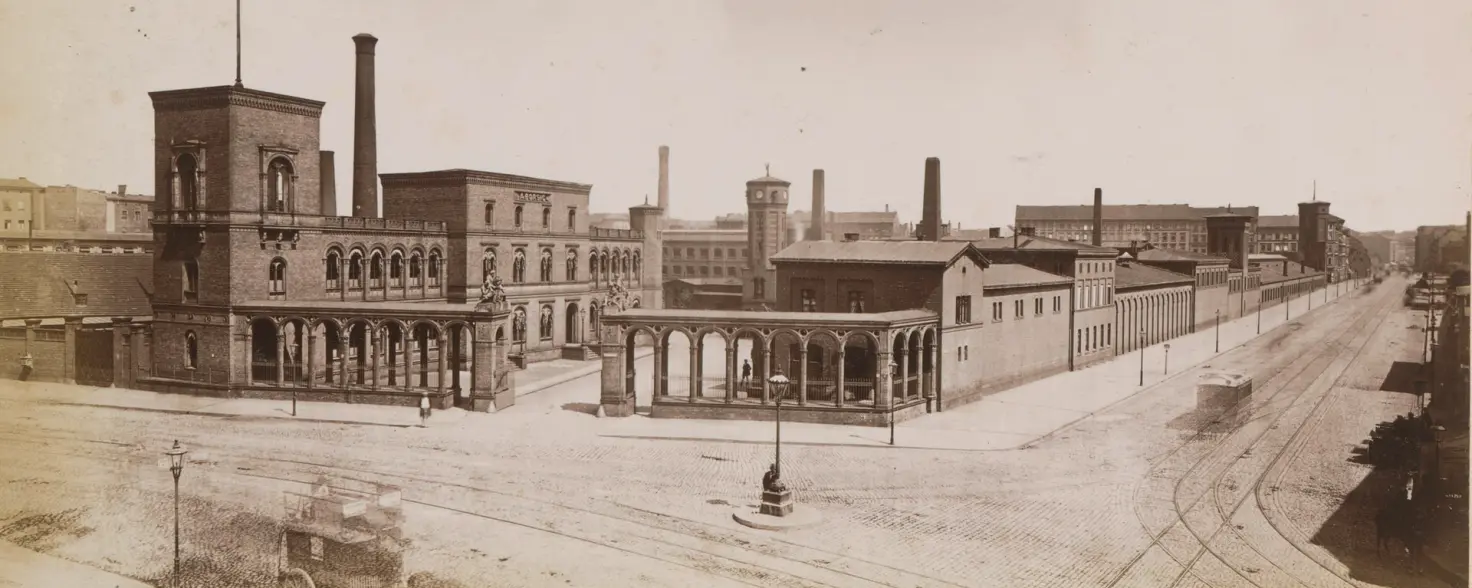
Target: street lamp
[
  {"x": 176, "y": 467},
  {"x": 1259, "y": 311},
  {"x": 295, "y": 378},
  {"x": 1142, "y": 357},
  {"x": 1218, "y": 330},
  {"x": 779, "y": 385},
  {"x": 1167, "y": 358}
]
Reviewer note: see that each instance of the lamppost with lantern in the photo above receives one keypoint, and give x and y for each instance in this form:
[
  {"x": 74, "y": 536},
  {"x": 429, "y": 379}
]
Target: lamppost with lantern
[
  {"x": 176, "y": 467},
  {"x": 1218, "y": 330},
  {"x": 1259, "y": 311},
  {"x": 893, "y": 368},
  {"x": 1167, "y": 358},
  {"x": 779, "y": 384},
  {"x": 1142, "y": 357}
]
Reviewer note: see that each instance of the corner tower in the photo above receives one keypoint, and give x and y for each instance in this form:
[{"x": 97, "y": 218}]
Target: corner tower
[{"x": 766, "y": 234}]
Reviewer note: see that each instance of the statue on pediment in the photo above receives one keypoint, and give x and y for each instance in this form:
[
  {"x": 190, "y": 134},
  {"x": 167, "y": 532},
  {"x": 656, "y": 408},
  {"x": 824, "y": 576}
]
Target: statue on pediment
[{"x": 492, "y": 293}]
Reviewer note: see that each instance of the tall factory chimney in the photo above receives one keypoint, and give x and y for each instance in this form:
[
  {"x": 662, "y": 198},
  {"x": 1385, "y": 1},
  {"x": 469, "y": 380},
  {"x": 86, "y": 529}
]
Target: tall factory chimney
[
  {"x": 328, "y": 166},
  {"x": 664, "y": 179},
  {"x": 1098, "y": 217},
  {"x": 930, "y": 213},
  {"x": 818, "y": 232},
  {"x": 365, "y": 132}
]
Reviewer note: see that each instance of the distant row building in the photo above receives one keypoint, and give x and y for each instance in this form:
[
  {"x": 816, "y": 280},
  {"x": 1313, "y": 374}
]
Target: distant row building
[
  {"x": 1182, "y": 227},
  {"x": 68, "y": 218},
  {"x": 1440, "y": 249}
]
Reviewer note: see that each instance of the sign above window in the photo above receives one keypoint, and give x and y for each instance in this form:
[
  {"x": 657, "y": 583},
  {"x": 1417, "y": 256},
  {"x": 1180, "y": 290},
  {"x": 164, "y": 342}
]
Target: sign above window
[{"x": 534, "y": 197}]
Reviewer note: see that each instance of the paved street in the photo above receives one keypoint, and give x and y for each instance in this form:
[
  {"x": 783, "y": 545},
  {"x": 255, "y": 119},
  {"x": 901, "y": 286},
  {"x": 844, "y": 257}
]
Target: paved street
[{"x": 1139, "y": 489}]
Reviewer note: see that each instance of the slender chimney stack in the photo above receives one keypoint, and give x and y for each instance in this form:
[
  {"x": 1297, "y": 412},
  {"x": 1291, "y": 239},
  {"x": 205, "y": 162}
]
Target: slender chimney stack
[
  {"x": 365, "y": 132},
  {"x": 1098, "y": 217},
  {"x": 664, "y": 179},
  {"x": 328, "y": 165},
  {"x": 818, "y": 232},
  {"x": 122, "y": 189},
  {"x": 930, "y": 213}
]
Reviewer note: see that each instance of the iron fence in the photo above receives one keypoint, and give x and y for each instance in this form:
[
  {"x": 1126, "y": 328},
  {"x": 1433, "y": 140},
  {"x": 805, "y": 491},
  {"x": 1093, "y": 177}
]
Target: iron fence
[{"x": 184, "y": 374}]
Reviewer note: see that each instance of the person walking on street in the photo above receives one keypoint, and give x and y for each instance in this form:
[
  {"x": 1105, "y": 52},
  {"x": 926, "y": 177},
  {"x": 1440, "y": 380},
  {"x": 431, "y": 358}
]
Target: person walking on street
[
  {"x": 27, "y": 365},
  {"x": 424, "y": 409},
  {"x": 745, "y": 373}
]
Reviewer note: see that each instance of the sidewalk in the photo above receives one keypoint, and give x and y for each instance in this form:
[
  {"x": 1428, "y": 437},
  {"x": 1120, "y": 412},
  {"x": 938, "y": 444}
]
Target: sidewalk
[
  {"x": 1005, "y": 420},
  {"x": 23, "y": 568},
  {"x": 537, "y": 377}
]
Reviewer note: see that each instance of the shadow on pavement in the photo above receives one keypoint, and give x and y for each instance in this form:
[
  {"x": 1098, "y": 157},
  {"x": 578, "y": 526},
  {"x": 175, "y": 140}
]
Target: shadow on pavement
[
  {"x": 1401, "y": 377},
  {"x": 1349, "y": 533},
  {"x": 587, "y": 408}
]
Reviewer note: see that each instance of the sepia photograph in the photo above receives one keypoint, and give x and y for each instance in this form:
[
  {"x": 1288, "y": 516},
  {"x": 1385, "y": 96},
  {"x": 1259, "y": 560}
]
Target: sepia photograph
[{"x": 735, "y": 293}]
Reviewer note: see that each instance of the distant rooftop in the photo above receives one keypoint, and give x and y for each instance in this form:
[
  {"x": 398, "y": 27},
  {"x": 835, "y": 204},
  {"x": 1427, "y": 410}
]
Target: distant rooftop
[
  {"x": 941, "y": 253},
  {"x": 1013, "y": 275},
  {"x": 1128, "y": 276},
  {"x": 1039, "y": 244},
  {"x": 1178, "y": 255},
  {"x": 1126, "y": 212}
]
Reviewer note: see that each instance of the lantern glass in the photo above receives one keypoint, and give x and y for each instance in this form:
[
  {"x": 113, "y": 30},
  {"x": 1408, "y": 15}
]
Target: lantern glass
[{"x": 176, "y": 455}]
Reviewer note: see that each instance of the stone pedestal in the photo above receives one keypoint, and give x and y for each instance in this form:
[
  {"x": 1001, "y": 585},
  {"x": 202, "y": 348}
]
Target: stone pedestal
[
  {"x": 777, "y": 504},
  {"x": 492, "y": 382},
  {"x": 616, "y": 396}
]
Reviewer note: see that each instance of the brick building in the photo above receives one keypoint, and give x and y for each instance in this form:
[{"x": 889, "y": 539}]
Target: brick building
[
  {"x": 71, "y": 219},
  {"x": 1169, "y": 226},
  {"x": 1437, "y": 248},
  {"x": 1152, "y": 304},
  {"x": 1277, "y": 234}
]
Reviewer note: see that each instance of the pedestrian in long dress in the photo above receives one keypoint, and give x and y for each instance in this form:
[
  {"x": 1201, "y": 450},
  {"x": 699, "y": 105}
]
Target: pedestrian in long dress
[{"x": 424, "y": 409}]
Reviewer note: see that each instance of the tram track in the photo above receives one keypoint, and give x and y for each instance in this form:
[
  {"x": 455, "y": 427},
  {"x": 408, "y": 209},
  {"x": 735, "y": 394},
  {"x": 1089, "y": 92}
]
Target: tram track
[
  {"x": 695, "y": 545},
  {"x": 1209, "y": 442}
]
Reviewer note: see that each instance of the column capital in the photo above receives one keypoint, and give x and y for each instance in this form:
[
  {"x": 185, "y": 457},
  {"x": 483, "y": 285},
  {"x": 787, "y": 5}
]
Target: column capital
[{"x": 33, "y": 322}]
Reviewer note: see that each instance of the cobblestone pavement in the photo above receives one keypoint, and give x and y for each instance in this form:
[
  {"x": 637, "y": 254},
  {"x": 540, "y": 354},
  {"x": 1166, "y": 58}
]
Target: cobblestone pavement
[{"x": 1127, "y": 497}]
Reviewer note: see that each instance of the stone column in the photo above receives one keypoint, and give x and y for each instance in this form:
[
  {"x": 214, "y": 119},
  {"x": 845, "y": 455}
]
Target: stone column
[
  {"x": 660, "y": 388},
  {"x": 250, "y": 366},
  {"x": 440, "y": 375},
  {"x": 457, "y": 362},
  {"x": 883, "y": 382},
  {"x": 342, "y": 359},
  {"x": 280, "y": 356},
  {"x": 374, "y": 341},
  {"x": 311, "y": 356},
  {"x": 408, "y": 339},
  {"x": 342, "y": 277},
  {"x": 694, "y": 371},
  {"x": 842, "y": 355},
  {"x": 766, "y": 373},
  {"x": 930, "y": 375},
  {"x": 731, "y": 368},
  {"x": 904, "y": 391},
  {"x": 802, "y": 375},
  {"x": 31, "y": 325},
  {"x": 69, "y": 355}
]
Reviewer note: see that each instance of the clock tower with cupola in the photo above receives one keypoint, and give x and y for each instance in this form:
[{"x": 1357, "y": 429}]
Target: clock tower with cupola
[{"x": 766, "y": 234}]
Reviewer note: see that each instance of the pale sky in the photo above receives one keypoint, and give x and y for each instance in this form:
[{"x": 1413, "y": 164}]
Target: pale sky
[{"x": 1037, "y": 102}]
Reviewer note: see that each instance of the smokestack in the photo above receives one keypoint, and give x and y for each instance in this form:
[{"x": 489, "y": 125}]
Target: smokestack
[
  {"x": 1098, "y": 217},
  {"x": 365, "y": 132},
  {"x": 328, "y": 165},
  {"x": 122, "y": 189},
  {"x": 820, "y": 213},
  {"x": 930, "y": 213},
  {"x": 664, "y": 178}
]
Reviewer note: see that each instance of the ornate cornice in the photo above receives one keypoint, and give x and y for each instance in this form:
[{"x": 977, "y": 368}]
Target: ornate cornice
[{"x": 224, "y": 96}]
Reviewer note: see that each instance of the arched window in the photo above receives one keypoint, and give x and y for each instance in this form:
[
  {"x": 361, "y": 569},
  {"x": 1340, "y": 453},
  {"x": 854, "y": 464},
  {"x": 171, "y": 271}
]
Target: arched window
[
  {"x": 355, "y": 270},
  {"x": 547, "y": 217},
  {"x": 572, "y": 265},
  {"x": 544, "y": 331},
  {"x": 334, "y": 269},
  {"x": 593, "y": 266},
  {"x": 434, "y": 268},
  {"x": 276, "y": 279},
  {"x": 191, "y": 281},
  {"x": 490, "y": 214},
  {"x": 188, "y": 181},
  {"x": 518, "y": 266},
  {"x": 375, "y": 270},
  {"x": 278, "y": 184},
  {"x": 488, "y": 264},
  {"x": 518, "y": 325},
  {"x": 572, "y": 220},
  {"x": 396, "y": 268},
  {"x": 516, "y": 217},
  {"x": 635, "y": 274},
  {"x": 191, "y": 351},
  {"x": 603, "y": 261},
  {"x": 415, "y": 270},
  {"x": 546, "y": 265}
]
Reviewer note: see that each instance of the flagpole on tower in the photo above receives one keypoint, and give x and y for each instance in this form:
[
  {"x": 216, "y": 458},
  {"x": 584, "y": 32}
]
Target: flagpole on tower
[{"x": 237, "y": 44}]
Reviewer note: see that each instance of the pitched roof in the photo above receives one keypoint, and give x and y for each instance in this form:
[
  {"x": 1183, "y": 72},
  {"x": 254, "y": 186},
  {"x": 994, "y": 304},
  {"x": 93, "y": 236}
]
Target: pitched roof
[
  {"x": 857, "y": 217},
  {"x": 38, "y": 285},
  {"x": 1126, "y": 212},
  {"x": 942, "y": 253},
  {"x": 735, "y": 282},
  {"x": 1272, "y": 272},
  {"x": 1178, "y": 255},
  {"x": 17, "y": 183},
  {"x": 1283, "y": 221},
  {"x": 1014, "y": 275},
  {"x": 1039, "y": 244},
  {"x": 1129, "y": 276}
]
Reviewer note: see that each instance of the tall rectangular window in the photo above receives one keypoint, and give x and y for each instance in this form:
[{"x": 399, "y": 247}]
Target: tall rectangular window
[
  {"x": 996, "y": 312},
  {"x": 963, "y": 310},
  {"x": 1057, "y": 304},
  {"x": 1017, "y": 308},
  {"x": 1037, "y": 306},
  {"x": 855, "y": 301}
]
